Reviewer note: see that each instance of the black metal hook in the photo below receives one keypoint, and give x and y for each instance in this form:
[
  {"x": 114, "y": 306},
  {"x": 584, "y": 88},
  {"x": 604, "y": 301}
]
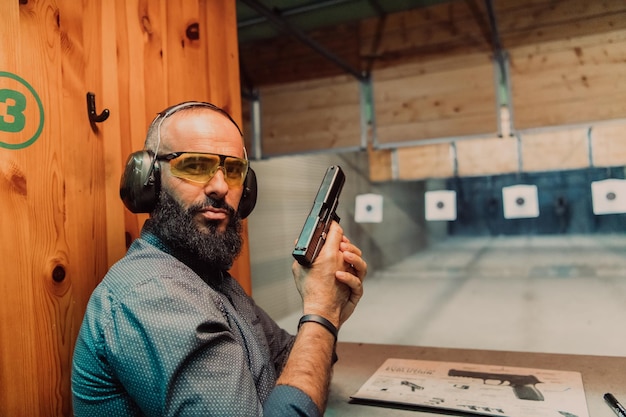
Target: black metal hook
[{"x": 94, "y": 117}]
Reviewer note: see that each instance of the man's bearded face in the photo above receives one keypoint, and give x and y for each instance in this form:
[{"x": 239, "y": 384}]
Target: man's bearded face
[{"x": 178, "y": 227}]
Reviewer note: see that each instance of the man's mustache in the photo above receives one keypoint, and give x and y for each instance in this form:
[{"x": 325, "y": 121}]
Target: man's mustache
[{"x": 212, "y": 202}]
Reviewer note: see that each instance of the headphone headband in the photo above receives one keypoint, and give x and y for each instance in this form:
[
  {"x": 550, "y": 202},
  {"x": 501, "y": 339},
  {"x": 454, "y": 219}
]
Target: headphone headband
[{"x": 165, "y": 113}]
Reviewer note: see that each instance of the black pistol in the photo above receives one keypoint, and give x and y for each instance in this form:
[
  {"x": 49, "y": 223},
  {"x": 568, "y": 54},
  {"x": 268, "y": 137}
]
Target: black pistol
[
  {"x": 321, "y": 216},
  {"x": 523, "y": 385}
]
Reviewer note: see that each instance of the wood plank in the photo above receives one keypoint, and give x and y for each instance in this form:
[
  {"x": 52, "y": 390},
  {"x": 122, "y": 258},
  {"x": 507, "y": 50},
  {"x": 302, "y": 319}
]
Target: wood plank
[
  {"x": 113, "y": 157},
  {"x": 186, "y": 56},
  {"x": 148, "y": 51},
  {"x": 286, "y": 59},
  {"x": 220, "y": 20},
  {"x": 318, "y": 93},
  {"x": 315, "y": 130},
  {"x": 17, "y": 396},
  {"x": 524, "y": 22},
  {"x": 84, "y": 242},
  {"x": 426, "y": 32},
  {"x": 407, "y": 134},
  {"x": 425, "y": 161},
  {"x": 582, "y": 52},
  {"x": 131, "y": 96},
  {"x": 487, "y": 156},
  {"x": 40, "y": 50},
  {"x": 555, "y": 150},
  {"x": 380, "y": 168},
  {"x": 311, "y": 117},
  {"x": 442, "y": 101},
  {"x": 608, "y": 145},
  {"x": 246, "y": 126},
  {"x": 39, "y": 341},
  {"x": 570, "y": 85},
  {"x": 565, "y": 113}
]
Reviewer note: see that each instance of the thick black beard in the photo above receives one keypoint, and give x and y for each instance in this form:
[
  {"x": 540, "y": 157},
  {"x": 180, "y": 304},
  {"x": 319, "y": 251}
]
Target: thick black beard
[{"x": 178, "y": 229}]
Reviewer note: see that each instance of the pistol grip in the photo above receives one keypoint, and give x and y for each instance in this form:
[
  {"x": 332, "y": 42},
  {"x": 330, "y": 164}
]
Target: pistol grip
[{"x": 528, "y": 392}]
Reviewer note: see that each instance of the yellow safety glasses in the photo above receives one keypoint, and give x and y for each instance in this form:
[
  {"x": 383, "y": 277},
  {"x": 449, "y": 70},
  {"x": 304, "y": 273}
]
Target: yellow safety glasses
[{"x": 201, "y": 167}]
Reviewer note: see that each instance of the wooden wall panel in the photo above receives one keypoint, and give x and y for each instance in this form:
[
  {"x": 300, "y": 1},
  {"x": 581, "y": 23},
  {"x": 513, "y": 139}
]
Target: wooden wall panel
[
  {"x": 380, "y": 165},
  {"x": 487, "y": 156},
  {"x": 569, "y": 82},
  {"x": 15, "y": 322},
  {"x": 111, "y": 151},
  {"x": 186, "y": 55},
  {"x": 555, "y": 150},
  {"x": 285, "y": 59},
  {"x": 247, "y": 127},
  {"x": 311, "y": 116},
  {"x": 435, "y": 99},
  {"x": 63, "y": 222},
  {"x": 141, "y": 83},
  {"x": 56, "y": 238},
  {"x": 426, "y": 161},
  {"x": 426, "y": 33},
  {"x": 222, "y": 74},
  {"x": 534, "y": 22},
  {"x": 609, "y": 144}
]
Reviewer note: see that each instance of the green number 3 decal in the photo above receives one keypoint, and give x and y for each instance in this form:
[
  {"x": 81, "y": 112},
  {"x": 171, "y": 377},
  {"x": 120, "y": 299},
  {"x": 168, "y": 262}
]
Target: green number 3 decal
[{"x": 16, "y": 121}]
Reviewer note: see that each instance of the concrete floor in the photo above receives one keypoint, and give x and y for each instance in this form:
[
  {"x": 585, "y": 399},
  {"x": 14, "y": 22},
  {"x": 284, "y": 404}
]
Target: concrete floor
[{"x": 558, "y": 294}]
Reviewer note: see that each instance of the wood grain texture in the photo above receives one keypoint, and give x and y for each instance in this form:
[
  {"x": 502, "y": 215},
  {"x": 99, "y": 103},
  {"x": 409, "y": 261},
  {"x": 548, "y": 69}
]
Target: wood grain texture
[
  {"x": 569, "y": 82},
  {"x": 608, "y": 144},
  {"x": 311, "y": 116},
  {"x": 433, "y": 100},
  {"x": 33, "y": 340},
  {"x": 186, "y": 57},
  {"x": 63, "y": 224},
  {"x": 380, "y": 164},
  {"x": 17, "y": 324},
  {"x": 286, "y": 59},
  {"x": 111, "y": 148},
  {"x": 534, "y": 22},
  {"x": 487, "y": 156},
  {"x": 426, "y": 33},
  {"x": 59, "y": 250},
  {"x": 555, "y": 150},
  {"x": 426, "y": 161}
]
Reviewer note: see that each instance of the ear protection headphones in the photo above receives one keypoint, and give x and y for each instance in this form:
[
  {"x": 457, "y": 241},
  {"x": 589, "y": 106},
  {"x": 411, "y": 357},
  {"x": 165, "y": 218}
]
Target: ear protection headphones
[{"x": 141, "y": 180}]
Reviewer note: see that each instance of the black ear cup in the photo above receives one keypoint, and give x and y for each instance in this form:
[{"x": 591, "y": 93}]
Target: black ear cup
[
  {"x": 140, "y": 183},
  {"x": 248, "y": 198}
]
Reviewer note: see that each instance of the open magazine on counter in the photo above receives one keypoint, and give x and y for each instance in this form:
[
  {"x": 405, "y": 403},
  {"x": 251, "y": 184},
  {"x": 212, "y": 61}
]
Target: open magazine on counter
[{"x": 489, "y": 390}]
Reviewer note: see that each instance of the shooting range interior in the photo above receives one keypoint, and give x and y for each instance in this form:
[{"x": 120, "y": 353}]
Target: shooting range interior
[{"x": 482, "y": 144}]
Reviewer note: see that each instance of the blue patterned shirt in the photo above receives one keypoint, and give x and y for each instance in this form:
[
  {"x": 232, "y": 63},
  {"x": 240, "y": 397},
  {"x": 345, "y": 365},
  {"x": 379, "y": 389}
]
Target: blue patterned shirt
[{"x": 163, "y": 337}]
